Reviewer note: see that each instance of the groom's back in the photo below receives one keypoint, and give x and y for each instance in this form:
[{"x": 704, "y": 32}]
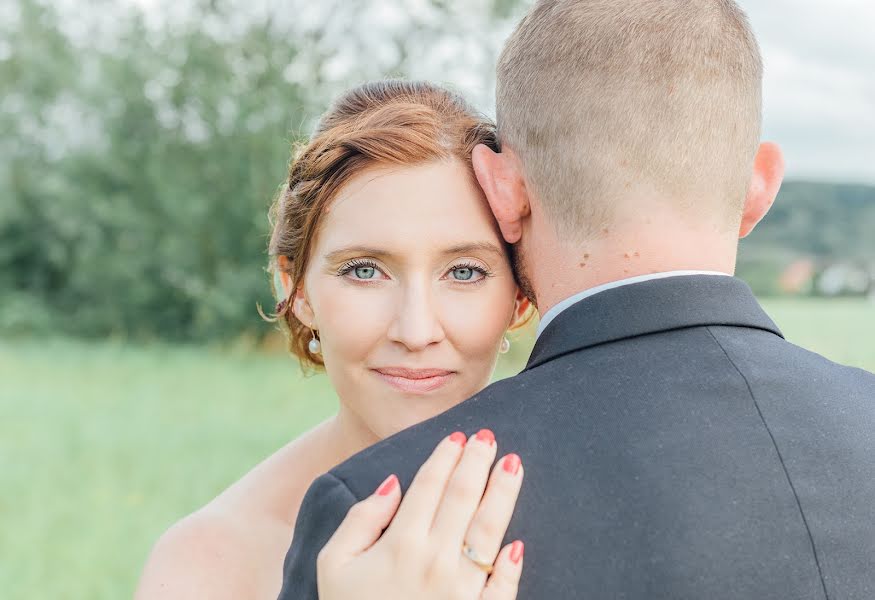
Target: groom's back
[
  {"x": 712, "y": 462},
  {"x": 675, "y": 447}
]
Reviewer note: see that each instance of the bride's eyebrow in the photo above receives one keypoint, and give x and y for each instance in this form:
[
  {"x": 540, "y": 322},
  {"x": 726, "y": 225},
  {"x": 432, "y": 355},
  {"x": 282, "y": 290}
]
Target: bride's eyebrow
[
  {"x": 467, "y": 248},
  {"x": 475, "y": 247},
  {"x": 341, "y": 253}
]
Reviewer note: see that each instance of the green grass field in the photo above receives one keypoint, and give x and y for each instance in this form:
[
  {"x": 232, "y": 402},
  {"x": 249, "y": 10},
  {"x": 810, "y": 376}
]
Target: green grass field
[{"x": 103, "y": 445}]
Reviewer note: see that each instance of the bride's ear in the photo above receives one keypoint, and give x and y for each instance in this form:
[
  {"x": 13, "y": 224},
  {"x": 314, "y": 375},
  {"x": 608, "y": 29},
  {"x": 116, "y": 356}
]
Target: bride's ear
[
  {"x": 503, "y": 184},
  {"x": 282, "y": 281},
  {"x": 522, "y": 311},
  {"x": 302, "y": 309}
]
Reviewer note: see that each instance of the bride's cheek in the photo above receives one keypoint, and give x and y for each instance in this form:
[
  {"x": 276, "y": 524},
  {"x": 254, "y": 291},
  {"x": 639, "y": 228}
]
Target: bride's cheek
[
  {"x": 356, "y": 317},
  {"x": 477, "y": 319}
]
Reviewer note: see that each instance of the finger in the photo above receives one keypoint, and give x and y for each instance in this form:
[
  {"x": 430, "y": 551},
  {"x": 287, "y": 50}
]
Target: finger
[
  {"x": 363, "y": 524},
  {"x": 504, "y": 581},
  {"x": 416, "y": 512},
  {"x": 464, "y": 491},
  {"x": 490, "y": 522}
]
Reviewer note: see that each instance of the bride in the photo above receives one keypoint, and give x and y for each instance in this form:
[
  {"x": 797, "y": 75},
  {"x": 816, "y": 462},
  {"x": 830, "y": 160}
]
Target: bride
[{"x": 393, "y": 276}]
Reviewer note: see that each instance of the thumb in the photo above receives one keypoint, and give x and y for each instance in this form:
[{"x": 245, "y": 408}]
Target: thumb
[{"x": 363, "y": 524}]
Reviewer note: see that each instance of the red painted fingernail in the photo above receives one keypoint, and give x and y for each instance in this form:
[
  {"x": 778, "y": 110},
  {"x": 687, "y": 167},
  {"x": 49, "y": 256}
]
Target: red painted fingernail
[
  {"x": 516, "y": 552},
  {"x": 484, "y": 435},
  {"x": 511, "y": 464},
  {"x": 459, "y": 438},
  {"x": 387, "y": 486}
]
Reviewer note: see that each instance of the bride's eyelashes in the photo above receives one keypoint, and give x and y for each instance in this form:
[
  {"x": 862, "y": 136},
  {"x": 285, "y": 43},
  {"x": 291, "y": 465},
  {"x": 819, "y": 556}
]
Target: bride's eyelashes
[
  {"x": 468, "y": 273},
  {"x": 361, "y": 269},
  {"x": 366, "y": 271}
]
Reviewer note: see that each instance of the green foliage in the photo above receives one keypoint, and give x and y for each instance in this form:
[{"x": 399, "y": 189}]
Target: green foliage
[
  {"x": 140, "y": 164},
  {"x": 158, "y": 226},
  {"x": 823, "y": 222}
]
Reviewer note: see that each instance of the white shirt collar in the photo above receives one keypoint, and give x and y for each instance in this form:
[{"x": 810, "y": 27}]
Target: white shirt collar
[{"x": 558, "y": 308}]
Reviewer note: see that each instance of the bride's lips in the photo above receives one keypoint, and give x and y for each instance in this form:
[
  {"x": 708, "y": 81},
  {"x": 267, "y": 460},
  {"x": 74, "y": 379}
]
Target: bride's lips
[{"x": 415, "y": 381}]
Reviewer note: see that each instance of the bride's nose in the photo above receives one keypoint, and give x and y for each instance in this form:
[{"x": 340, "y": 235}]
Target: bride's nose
[{"x": 416, "y": 322}]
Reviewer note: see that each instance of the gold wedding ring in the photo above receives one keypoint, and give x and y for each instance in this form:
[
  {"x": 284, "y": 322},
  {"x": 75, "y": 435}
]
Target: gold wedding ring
[{"x": 471, "y": 554}]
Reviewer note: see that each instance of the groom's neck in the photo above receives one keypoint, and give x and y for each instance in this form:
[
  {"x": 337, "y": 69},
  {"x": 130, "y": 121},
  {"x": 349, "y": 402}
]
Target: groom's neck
[{"x": 559, "y": 270}]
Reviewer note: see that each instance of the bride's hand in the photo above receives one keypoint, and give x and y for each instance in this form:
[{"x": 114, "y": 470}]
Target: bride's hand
[{"x": 420, "y": 554}]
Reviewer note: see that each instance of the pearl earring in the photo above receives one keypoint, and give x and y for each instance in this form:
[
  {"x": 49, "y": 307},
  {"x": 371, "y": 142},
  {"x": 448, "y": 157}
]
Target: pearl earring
[
  {"x": 315, "y": 346},
  {"x": 504, "y": 348}
]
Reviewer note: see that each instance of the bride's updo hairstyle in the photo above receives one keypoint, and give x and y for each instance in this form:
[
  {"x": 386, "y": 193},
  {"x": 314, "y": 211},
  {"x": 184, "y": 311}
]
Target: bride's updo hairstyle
[{"x": 380, "y": 123}]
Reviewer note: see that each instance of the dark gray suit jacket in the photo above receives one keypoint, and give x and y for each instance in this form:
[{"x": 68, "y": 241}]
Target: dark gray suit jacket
[{"x": 675, "y": 446}]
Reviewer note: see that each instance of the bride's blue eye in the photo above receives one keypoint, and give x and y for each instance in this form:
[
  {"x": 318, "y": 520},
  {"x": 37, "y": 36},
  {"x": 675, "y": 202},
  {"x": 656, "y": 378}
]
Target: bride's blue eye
[
  {"x": 463, "y": 273},
  {"x": 359, "y": 270},
  {"x": 468, "y": 273},
  {"x": 365, "y": 272}
]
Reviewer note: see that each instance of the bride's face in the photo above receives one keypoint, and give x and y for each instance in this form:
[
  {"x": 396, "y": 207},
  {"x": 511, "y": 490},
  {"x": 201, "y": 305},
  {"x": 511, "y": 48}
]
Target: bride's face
[{"x": 411, "y": 292}]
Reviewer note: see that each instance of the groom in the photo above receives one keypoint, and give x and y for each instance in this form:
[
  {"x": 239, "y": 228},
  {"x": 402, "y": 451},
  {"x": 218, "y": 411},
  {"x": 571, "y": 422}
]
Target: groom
[{"x": 676, "y": 446}]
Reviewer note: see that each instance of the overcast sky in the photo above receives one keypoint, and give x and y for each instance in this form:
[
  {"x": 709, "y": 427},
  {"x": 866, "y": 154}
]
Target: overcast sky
[{"x": 819, "y": 88}]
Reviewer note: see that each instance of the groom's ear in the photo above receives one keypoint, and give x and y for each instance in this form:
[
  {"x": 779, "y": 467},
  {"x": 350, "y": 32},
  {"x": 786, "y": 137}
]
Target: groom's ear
[
  {"x": 503, "y": 184},
  {"x": 768, "y": 173}
]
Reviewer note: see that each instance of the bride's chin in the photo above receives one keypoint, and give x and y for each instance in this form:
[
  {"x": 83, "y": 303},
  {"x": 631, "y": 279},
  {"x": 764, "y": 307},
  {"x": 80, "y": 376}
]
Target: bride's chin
[
  {"x": 415, "y": 408},
  {"x": 407, "y": 411}
]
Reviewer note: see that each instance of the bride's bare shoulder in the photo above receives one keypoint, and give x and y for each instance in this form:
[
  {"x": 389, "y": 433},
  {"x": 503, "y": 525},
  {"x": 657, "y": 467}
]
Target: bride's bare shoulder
[
  {"x": 235, "y": 545},
  {"x": 275, "y": 487}
]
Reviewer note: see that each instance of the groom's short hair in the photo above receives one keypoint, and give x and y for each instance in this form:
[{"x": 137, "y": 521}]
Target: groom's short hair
[{"x": 601, "y": 98}]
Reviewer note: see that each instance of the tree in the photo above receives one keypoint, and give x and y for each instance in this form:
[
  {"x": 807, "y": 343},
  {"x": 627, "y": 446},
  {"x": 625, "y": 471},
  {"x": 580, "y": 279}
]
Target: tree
[{"x": 143, "y": 157}]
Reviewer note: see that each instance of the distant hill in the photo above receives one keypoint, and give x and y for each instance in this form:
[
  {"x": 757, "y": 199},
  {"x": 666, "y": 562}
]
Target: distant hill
[{"x": 825, "y": 222}]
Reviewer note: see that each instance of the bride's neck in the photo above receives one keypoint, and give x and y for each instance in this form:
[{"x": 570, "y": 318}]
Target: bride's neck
[{"x": 349, "y": 433}]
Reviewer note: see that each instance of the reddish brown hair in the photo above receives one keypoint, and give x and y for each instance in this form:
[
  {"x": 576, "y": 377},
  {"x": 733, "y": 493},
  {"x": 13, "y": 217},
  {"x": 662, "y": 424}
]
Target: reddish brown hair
[{"x": 380, "y": 123}]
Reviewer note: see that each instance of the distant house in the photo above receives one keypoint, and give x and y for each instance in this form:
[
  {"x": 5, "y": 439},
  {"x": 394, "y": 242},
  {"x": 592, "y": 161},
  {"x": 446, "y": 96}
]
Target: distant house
[
  {"x": 798, "y": 278},
  {"x": 846, "y": 279}
]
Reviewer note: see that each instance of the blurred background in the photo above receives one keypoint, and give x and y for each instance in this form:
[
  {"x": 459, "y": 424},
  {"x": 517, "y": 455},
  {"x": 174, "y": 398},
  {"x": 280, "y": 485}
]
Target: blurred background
[{"x": 142, "y": 142}]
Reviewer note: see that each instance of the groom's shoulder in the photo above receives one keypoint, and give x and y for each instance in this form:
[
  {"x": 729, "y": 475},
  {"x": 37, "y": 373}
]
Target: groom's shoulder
[
  {"x": 403, "y": 452},
  {"x": 765, "y": 358}
]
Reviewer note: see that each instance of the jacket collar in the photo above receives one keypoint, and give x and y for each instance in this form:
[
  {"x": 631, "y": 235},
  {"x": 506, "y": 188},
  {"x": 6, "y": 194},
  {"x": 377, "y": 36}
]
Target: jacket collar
[{"x": 650, "y": 307}]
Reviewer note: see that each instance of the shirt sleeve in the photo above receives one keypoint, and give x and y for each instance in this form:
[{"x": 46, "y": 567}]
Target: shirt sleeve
[{"x": 323, "y": 509}]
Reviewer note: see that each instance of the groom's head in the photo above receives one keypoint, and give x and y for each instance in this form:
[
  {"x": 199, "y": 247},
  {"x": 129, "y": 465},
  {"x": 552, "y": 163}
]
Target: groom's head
[{"x": 616, "y": 108}]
